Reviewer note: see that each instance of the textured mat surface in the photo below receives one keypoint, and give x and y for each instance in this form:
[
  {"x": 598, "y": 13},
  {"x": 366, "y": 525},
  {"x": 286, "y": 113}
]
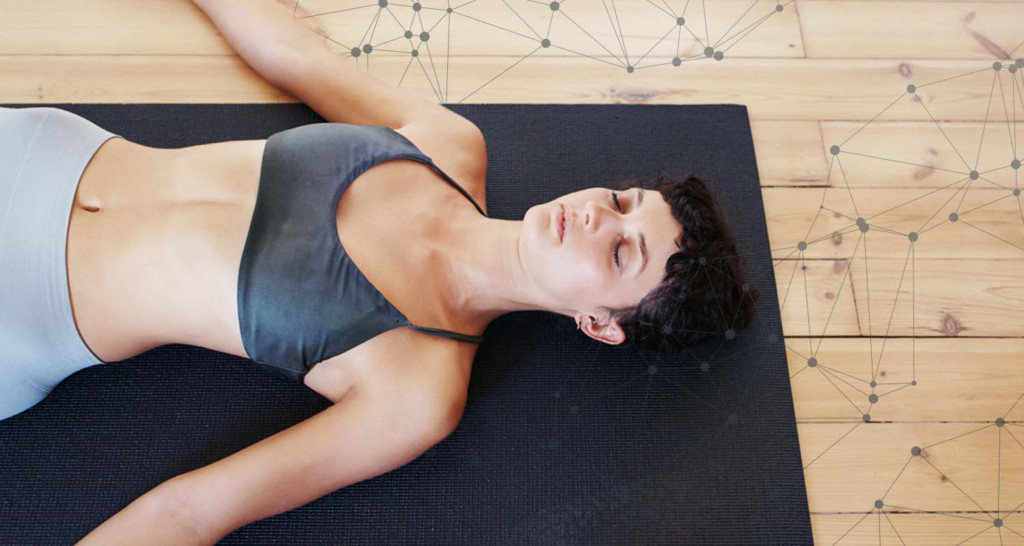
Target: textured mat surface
[{"x": 564, "y": 440}]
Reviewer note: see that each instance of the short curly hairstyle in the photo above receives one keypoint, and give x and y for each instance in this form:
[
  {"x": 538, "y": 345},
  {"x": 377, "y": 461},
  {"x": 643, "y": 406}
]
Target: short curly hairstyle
[{"x": 703, "y": 291}]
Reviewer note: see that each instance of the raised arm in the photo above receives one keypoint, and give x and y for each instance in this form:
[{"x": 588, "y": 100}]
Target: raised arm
[{"x": 292, "y": 54}]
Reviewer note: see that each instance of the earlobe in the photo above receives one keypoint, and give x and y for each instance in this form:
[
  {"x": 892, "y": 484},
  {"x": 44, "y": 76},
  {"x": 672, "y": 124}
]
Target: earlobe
[{"x": 605, "y": 332}]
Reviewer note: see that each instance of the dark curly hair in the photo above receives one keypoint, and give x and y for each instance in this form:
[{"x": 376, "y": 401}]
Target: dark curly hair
[{"x": 703, "y": 291}]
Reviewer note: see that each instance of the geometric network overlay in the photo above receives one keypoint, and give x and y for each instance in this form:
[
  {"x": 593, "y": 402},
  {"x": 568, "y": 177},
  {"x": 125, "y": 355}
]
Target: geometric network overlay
[
  {"x": 976, "y": 189},
  {"x": 948, "y": 215},
  {"x": 988, "y": 186},
  {"x": 994, "y": 518},
  {"x": 397, "y": 35}
]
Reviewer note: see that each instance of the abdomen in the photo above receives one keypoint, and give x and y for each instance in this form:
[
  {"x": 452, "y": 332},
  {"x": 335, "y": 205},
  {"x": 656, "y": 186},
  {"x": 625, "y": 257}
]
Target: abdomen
[{"x": 154, "y": 244}]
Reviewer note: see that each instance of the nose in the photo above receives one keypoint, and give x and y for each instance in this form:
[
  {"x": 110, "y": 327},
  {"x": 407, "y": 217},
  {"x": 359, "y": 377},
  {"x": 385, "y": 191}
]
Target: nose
[{"x": 595, "y": 214}]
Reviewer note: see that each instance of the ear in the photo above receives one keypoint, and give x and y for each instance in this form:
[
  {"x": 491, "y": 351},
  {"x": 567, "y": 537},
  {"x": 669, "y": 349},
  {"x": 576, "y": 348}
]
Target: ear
[{"x": 605, "y": 330}]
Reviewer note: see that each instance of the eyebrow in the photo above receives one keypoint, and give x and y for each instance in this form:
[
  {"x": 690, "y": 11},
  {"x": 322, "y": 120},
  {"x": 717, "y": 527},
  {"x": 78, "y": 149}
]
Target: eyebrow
[{"x": 643, "y": 240}]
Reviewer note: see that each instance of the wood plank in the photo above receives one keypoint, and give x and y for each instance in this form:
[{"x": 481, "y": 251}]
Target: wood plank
[
  {"x": 951, "y": 297},
  {"x": 789, "y": 153},
  {"x": 794, "y": 215},
  {"x": 962, "y": 466},
  {"x": 915, "y": 529},
  {"x": 928, "y": 154},
  {"x": 488, "y": 27},
  {"x": 814, "y": 299},
  {"x": 978, "y": 379},
  {"x": 794, "y": 89},
  {"x": 922, "y": 30}
]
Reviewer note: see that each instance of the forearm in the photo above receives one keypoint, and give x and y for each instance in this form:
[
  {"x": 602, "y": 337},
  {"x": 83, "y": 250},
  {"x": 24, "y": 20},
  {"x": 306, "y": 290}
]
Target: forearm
[
  {"x": 154, "y": 518},
  {"x": 266, "y": 33}
]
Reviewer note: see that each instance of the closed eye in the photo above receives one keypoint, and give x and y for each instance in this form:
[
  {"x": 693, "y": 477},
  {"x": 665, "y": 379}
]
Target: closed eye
[{"x": 618, "y": 243}]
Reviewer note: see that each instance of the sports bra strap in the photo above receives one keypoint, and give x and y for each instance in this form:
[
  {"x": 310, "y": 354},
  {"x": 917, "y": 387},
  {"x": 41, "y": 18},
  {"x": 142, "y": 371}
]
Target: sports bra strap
[{"x": 448, "y": 334}]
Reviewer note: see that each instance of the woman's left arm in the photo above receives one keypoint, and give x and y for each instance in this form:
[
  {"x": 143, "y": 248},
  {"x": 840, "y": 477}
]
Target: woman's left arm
[
  {"x": 373, "y": 429},
  {"x": 153, "y": 518}
]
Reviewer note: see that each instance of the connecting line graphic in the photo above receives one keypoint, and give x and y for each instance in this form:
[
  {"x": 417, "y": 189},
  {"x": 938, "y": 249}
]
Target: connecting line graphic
[
  {"x": 365, "y": 46},
  {"x": 864, "y": 224},
  {"x": 993, "y": 519}
]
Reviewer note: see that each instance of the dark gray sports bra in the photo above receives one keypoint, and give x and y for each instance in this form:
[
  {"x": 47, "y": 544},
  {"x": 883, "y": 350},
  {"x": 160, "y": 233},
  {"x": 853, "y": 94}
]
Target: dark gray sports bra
[{"x": 301, "y": 300}]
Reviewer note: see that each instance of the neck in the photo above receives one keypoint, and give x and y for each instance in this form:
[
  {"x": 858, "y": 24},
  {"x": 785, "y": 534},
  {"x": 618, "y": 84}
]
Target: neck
[{"x": 485, "y": 276}]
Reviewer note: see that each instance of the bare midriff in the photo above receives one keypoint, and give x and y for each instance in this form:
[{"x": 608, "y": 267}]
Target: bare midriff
[{"x": 154, "y": 243}]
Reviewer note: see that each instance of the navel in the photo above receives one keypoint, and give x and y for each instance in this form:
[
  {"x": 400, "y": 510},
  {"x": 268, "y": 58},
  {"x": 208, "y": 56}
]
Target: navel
[{"x": 93, "y": 205}]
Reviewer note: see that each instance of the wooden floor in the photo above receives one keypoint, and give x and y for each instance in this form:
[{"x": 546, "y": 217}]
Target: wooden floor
[{"x": 946, "y": 313}]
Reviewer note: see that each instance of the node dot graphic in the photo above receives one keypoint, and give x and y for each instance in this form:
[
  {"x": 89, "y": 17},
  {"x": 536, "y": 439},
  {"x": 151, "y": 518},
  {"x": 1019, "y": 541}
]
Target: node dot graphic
[
  {"x": 680, "y": 21},
  {"x": 356, "y": 51},
  {"x": 367, "y": 49},
  {"x": 719, "y": 55},
  {"x": 873, "y": 398},
  {"x": 914, "y": 382},
  {"x": 709, "y": 51},
  {"x": 1015, "y": 164},
  {"x": 382, "y": 3},
  {"x": 879, "y": 503},
  {"x": 802, "y": 245},
  {"x": 953, "y": 217},
  {"x": 834, "y": 149},
  {"x": 629, "y": 69},
  {"x": 417, "y": 6},
  {"x": 702, "y": 260},
  {"x": 424, "y": 36},
  {"x": 704, "y": 366},
  {"x": 778, "y": 7},
  {"x": 915, "y": 451},
  {"x": 1000, "y": 421},
  {"x": 912, "y": 236},
  {"x": 974, "y": 175},
  {"x": 998, "y": 522},
  {"x": 676, "y": 61},
  {"x": 873, "y": 384},
  {"x": 867, "y": 418},
  {"x": 450, "y": 10},
  {"x": 863, "y": 225},
  {"x": 730, "y": 334},
  {"x": 652, "y": 369},
  {"x": 911, "y": 88},
  {"x": 1020, "y": 63},
  {"x": 545, "y": 43},
  {"x": 996, "y": 66},
  {"x": 1016, "y": 192},
  {"x": 745, "y": 287},
  {"x": 408, "y": 34},
  {"x": 812, "y": 362},
  {"x": 415, "y": 53},
  {"x": 553, "y": 6}
]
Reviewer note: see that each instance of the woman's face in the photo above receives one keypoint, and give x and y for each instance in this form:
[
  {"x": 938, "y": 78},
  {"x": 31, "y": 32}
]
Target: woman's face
[{"x": 579, "y": 272}]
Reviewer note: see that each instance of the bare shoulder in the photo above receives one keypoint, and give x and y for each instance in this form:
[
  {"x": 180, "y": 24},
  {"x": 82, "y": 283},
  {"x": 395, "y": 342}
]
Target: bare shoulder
[{"x": 457, "y": 146}]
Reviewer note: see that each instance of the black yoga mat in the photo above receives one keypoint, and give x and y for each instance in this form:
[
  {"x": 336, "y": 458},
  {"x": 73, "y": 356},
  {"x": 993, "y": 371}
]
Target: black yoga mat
[{"x": 564, "y": 440}]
